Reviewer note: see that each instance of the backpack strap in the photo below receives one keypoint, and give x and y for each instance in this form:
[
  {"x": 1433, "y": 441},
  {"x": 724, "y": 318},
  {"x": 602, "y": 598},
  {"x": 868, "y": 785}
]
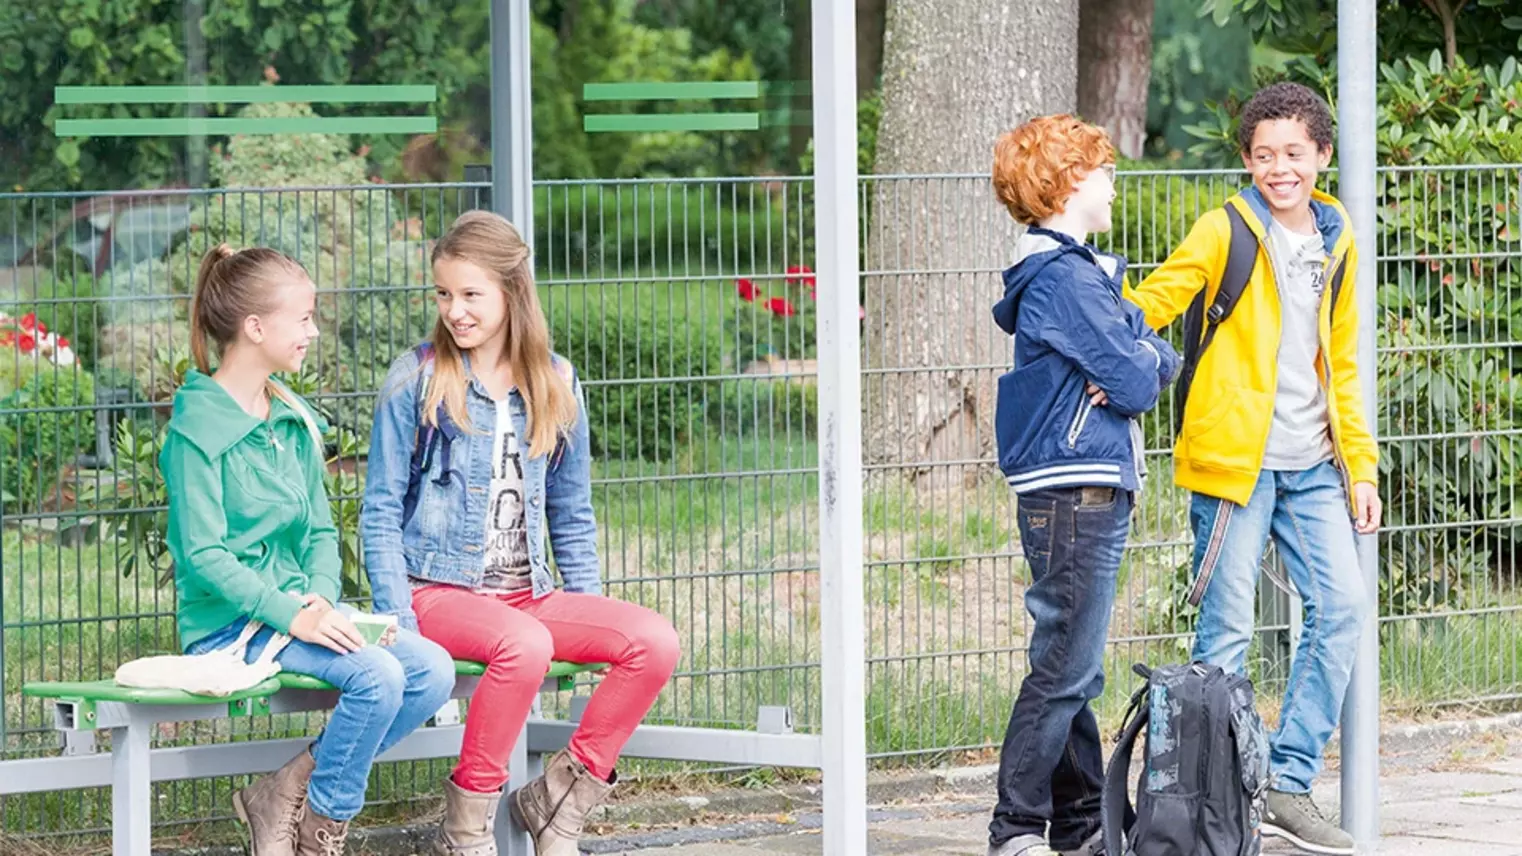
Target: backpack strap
[
  {"x": 1115, "y": 810},
  {"x": 426, "y": 440},
  {"x": 1200, "y": 323}
]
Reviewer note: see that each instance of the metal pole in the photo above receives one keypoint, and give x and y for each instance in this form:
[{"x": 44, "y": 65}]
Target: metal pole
[
  {"x": 195, "y": 75},
  {"x": 512, "y": 129},
  {"x": 837, "y": 237},
  {"x": 1358, "y": 188}
]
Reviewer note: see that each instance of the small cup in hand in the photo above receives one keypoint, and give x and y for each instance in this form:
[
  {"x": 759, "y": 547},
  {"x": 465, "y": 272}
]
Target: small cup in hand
[{"x": 377, "y": 629}]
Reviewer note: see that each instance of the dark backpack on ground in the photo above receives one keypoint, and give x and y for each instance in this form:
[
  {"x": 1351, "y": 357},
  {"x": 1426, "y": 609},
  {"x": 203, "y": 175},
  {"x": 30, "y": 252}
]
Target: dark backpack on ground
[
  {"x": 1204, "y": 768},
  {"x": 1200, "y": 323}
]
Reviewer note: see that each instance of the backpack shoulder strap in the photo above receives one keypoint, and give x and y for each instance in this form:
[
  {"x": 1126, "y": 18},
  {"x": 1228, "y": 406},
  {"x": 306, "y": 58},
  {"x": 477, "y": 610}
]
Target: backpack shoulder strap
[
  {"x": 1241, "y": 257},
  {"x": 425, "y": 437},
  {"x": 1200, "y": 322},
  {"x": 1115, "y": 811}
]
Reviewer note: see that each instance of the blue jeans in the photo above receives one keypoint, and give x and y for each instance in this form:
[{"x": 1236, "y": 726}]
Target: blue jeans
[
  {"x": 384, "y": 694},
  {"x": 1307, "y": 514},
  {"x": 1051, "y": 768}
]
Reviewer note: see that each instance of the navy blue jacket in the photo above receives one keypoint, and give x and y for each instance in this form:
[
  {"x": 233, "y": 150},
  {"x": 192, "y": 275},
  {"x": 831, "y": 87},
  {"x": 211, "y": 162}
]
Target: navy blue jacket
[{"x": 1062, "y": 303}]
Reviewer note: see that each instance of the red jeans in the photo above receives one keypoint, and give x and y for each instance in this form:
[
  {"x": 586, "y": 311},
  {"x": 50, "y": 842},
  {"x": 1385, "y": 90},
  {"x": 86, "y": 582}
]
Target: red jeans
[{"x": 517, "y": 637}]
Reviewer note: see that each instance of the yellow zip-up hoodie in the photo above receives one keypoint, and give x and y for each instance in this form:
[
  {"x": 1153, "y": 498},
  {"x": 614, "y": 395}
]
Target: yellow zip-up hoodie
[{"x": 1230, "y": 409}]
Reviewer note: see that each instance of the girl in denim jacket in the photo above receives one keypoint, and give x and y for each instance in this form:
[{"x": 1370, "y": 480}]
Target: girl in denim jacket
[{"x": 479, "y": 450}]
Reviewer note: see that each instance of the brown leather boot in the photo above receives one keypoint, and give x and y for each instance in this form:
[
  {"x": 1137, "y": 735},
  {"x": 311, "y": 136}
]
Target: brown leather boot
[
  {"x": 554, "y": 807},
  {"x": 271, "y": 807},
  {"x": 469, "y": 825},
  {"x": 320, "y": 836}
]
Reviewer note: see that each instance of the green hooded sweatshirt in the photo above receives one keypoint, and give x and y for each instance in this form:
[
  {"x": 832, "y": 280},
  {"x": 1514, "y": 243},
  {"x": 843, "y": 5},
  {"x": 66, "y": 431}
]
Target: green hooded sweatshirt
[{"x": 250, "y": 530}]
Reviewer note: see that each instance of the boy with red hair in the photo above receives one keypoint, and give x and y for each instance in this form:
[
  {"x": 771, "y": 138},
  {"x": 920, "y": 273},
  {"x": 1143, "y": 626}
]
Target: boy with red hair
[{"x": 1086, "y": 365}]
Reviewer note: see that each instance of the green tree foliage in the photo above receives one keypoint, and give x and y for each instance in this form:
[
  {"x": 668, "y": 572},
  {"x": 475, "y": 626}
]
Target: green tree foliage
[
  {"x": 1485, "y": 31},
  {"x": 141, "y": 42}
]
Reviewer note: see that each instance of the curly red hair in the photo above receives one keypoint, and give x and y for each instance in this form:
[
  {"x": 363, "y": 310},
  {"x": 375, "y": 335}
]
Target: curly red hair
[{"x": 1037, "y": 164}]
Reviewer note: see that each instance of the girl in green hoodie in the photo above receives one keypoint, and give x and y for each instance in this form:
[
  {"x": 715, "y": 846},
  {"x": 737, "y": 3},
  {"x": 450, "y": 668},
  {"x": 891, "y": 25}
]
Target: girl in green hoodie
[{"x": 252, "y": 539}]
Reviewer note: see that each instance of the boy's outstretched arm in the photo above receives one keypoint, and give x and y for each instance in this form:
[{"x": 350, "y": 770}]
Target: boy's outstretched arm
[
  {"x": 1171, "y": 362},
  {"x": 1080, "y": 319},
  {"x": 1198, "y": 261}
]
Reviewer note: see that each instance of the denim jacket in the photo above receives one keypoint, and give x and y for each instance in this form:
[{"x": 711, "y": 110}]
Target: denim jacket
[{"x": 442, "y": 542}]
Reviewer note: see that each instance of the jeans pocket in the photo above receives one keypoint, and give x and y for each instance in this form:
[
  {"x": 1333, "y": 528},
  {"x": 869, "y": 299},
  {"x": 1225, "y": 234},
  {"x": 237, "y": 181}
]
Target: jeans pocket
[{"x": 1036, "y": 521}]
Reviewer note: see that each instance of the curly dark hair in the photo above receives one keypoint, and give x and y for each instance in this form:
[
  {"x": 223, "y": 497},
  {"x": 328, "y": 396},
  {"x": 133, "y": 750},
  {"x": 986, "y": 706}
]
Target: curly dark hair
[{"x": 1286, "y": 101}]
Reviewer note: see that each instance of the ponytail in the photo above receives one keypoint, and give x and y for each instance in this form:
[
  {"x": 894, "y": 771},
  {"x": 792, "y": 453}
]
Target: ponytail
[{"x": 206, "y": 281}]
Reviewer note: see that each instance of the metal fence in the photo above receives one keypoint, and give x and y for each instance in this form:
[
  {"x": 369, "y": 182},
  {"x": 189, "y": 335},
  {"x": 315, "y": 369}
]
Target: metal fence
[{"x": 687, "y": 305}]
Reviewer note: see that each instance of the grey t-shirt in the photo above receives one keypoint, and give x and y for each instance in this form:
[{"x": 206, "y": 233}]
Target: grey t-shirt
[{"x": 1300, "y": 437}]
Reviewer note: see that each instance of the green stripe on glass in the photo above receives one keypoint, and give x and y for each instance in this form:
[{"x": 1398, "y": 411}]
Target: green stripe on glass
[
  {"x": 653, "y": 122},
  {"x": 185, "y": 126},
  {"x": 316, "y": 94},
  {"x": 671, "y": 91}
]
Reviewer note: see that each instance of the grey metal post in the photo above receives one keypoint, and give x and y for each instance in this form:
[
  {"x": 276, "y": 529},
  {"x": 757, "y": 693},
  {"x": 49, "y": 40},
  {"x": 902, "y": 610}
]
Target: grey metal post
[
  {"x": 511, "y": 840},
  {"x": 131, "y": 790},
  {"x": 840, "y": 468},
  {"x": 512, "y": 129},
  {"x": 1357, "y": 183}
]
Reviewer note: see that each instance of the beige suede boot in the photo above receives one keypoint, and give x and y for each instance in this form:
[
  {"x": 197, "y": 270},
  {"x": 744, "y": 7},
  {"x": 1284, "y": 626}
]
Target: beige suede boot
[
  {"x": 271, "y": 807},
  {"x": 469, "y": 825},
  {"x": 554, "y": 807}
]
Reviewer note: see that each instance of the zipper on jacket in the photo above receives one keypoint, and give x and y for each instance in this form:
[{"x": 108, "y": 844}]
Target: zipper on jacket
[{"x": 1079, "y": 418}]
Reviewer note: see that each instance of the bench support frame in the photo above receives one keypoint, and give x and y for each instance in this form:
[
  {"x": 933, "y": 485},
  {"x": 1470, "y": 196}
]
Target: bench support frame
[{"x": 133, "y": 765}]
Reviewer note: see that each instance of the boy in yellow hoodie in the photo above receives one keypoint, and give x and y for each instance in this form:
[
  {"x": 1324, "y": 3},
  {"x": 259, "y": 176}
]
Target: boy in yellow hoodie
[{"x": 1274, "y": 441}]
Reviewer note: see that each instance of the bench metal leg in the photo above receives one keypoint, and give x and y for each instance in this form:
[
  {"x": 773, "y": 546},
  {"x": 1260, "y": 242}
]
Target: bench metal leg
[
  {"x": 131, "y": 791},
  {"x": 512, "y": 841}
]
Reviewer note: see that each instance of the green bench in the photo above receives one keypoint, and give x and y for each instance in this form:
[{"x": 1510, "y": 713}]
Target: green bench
[
  {"x": 81, "y": 697},
  {"x": 132, "y": 715}
]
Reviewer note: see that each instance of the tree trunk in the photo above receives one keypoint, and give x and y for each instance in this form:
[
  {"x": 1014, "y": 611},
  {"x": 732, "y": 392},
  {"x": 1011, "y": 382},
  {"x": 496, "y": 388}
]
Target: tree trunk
[
  {"x": 956, "y": 75},
  {"x": 871, "y": 19},
  {"x": 1115, "y": 43},
  {"x": 801, "y": 65}
]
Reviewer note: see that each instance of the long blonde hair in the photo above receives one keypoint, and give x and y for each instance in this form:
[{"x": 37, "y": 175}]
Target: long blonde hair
[
  {"x": 230, "y": 286},
  {"x": 489, "y": 242}
]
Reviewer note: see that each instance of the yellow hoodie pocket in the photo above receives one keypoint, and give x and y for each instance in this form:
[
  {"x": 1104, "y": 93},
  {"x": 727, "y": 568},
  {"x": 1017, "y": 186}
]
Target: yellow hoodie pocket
[{"x": 1226, "y": 430}]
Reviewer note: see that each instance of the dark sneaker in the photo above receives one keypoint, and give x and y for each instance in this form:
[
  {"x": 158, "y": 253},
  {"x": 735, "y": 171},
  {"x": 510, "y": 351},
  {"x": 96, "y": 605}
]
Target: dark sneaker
[
  {"x": 1094, "y": 846},
  {"x": 1021, "y": 845},
  {"x": 1296, "y": 819}
]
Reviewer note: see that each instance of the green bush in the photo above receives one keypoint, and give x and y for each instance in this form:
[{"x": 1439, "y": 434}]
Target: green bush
[
  {"x": 68, "y": 307},
  {"x": 740, "y": 226},
  {"x": 764, "y": 406},
  {"x": 772, "y": 319},
  {"x": 39, "y": 435},
  {"x": 642, "y": 370}
]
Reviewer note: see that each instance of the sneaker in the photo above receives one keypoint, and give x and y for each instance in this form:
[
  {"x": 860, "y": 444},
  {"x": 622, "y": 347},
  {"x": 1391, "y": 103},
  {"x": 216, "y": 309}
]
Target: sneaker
[
  {"x": 1093, "y": 846},
  {"x": 1296, "y": 819},
  {"x": 1021, "y": 845}
]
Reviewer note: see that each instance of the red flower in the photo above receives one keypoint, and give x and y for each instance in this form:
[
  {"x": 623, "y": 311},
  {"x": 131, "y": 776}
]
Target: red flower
[
  {"x": 799, "y": 274},
  {"x": 747, "y": 290},
  {"x": 29, "y": 321},
  {"x": 27, "y": 343},
  {"x": 781, "y": 306},
  {"x": 7, "y": 337},
  {"x": 63, "y": 342},
  {"x": 813, "y": 295}
]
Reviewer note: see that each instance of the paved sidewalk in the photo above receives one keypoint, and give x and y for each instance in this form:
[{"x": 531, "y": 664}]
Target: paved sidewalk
[{"x": 1463, "y": 799}]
